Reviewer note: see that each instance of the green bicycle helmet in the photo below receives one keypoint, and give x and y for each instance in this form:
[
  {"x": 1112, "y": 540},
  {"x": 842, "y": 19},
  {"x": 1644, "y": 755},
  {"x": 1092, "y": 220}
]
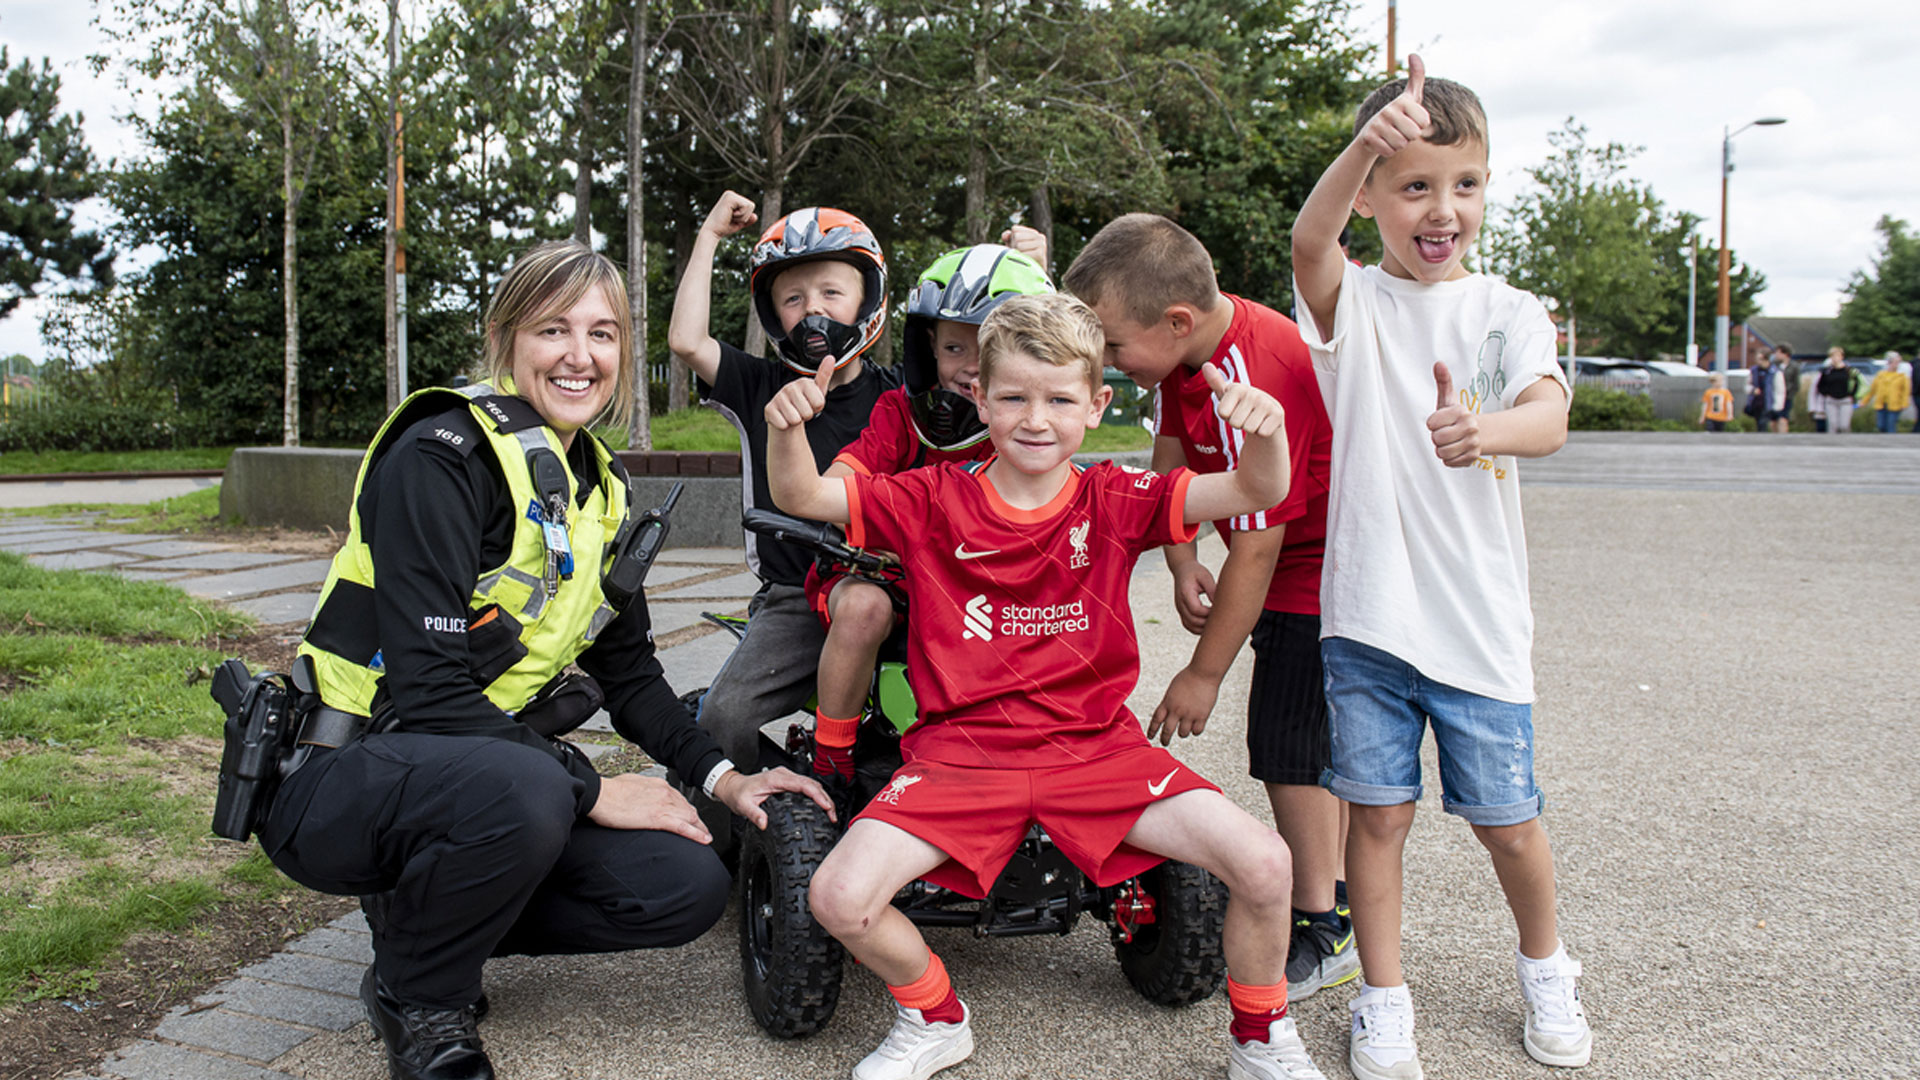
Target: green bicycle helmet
[{"x": 963, "y": 286}]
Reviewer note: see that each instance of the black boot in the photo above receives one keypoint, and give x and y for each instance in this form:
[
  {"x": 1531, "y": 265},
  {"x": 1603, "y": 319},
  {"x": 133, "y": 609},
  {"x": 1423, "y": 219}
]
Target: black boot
[{"x": 424, "y": 1044}]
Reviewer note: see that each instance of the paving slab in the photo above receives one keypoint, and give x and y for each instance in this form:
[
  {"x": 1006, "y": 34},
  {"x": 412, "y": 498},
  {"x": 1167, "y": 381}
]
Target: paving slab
[
  {"x": 55, "y": 492},
  {"x": 287, "y": 607},
  {"x": 668, "y": 616},
  {"x": 740, "y": 585},
  {"x": 263, "y": 579},
  {"x": 335, "y": 945},
  {"x": 251, "y": 1037},
  {"x": 691, "y": 666},
  {"x": 166, "y": 549},
  {"x": 36, "y": 530},
  {"x": 312, "y": 972},
  {"x": 662, "y": 576},
  {"x": 296, "y": 1004},
  {"x": 352, "y": 922},
  {"x": 136, "y": 573},
  {"x": 70, "y": 540},
  {"x": 704, "y": 556},
  {"x": 222, "y": 560},
  {"x": 146, "y": 1060},
  {"x": 78, "y": 560}
]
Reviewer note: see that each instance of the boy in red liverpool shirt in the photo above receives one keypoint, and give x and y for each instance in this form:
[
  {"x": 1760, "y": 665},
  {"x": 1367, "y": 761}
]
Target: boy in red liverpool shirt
[
  {"x": 930, "y": 420},
  {"x": 1022, "y": 656},
  {"x": 1161, "y": 308}
]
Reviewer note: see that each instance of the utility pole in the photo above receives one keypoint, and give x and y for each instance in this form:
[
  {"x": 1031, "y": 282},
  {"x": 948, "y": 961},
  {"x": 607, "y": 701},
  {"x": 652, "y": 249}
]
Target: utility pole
[
  {"x": 1693, "y": 275},
  {"x": 1393, "y": 62},
  {"x": 396, "y": 270}
]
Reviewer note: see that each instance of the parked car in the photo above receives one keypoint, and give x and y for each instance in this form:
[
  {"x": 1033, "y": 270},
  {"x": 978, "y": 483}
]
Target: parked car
[{"x": 1611, "y": 373}]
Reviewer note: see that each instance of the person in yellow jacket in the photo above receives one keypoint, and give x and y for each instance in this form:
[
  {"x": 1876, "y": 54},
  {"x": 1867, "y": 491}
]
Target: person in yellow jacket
[
  {"x": 1716, "y": 403},
  {"x": 471, "y": 578},
  {"x": 1890, "y": 392}
]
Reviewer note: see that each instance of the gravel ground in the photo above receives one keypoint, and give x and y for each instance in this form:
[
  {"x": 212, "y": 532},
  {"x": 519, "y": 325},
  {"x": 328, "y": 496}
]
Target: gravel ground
[{"x": 1726, "y": 778}]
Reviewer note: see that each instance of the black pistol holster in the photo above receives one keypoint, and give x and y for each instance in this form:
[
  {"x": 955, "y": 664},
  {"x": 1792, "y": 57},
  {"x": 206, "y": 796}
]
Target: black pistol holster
[{"x": 265, "y": 713}]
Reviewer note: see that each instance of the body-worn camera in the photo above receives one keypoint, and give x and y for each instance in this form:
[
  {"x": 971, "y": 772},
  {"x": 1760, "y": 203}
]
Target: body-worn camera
[{"x": 263, "y": 720}]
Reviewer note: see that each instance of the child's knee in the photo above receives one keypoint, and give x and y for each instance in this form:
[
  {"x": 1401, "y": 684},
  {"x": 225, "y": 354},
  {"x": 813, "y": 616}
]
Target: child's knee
[
  {"x": 1380, "y": 824},
  {"x": 1262, "y": 873},
  {"x": 862, "y": 613},
  {"x": 838, "y": 905},
  {"x": 1512, "y": 841}
]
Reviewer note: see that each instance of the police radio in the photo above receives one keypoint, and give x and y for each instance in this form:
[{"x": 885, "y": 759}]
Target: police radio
[{"x": 634, "y": 550}]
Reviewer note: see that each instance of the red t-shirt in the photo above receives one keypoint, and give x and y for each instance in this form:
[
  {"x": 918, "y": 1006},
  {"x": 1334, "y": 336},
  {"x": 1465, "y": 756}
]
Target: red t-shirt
[
  {"x": 1263, "y": 347},
  {"x": 1022, "y": 652},
  {"x": 891, "y": 445}
]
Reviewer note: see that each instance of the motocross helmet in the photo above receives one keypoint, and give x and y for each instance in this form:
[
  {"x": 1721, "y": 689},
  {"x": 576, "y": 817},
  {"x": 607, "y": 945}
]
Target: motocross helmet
[
  {"x": 809, "y": 235},
  {"x": 963, "y": 286}
]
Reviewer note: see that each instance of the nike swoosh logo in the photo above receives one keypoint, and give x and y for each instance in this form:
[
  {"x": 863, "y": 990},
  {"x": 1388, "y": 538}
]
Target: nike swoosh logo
[
  {"x": 1155, "y": 789},
  {"x": 960, "y": 552}
]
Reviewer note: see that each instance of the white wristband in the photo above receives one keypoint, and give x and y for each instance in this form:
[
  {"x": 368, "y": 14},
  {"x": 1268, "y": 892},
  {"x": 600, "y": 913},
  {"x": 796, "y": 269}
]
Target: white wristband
[{"x": 714, "y": 776}]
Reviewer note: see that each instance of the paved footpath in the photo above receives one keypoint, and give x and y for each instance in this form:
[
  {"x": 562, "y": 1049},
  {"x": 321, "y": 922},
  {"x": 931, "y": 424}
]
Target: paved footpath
[{"x": 1729, "y": 763}]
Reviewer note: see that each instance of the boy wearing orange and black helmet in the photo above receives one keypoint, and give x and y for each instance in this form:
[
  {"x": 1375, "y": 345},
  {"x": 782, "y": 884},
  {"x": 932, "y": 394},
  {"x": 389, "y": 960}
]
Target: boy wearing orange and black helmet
[{"x": 819, "y": 285}]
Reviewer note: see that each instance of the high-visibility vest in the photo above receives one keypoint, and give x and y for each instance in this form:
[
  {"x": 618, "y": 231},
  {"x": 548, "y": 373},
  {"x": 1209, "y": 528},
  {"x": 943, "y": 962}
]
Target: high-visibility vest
[{"x": 524, "y": 624}]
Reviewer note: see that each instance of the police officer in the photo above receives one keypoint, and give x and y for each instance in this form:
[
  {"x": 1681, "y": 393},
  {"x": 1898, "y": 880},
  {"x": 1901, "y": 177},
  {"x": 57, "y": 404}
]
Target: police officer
[{"x": 470, "y": 579}]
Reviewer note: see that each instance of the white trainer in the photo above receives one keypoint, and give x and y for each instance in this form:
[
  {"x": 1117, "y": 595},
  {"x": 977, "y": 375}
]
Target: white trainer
[
  {"x": 1557, "y": 1031},
  {"x": 1381, "y": 1047},
  {"x": 1282, "y": 1057},
  {"x": 916, "y": 1049}
]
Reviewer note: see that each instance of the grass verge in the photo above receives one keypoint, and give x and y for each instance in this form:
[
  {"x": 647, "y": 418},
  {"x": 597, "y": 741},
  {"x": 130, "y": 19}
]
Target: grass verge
[
  {"x": 74, "y": 461},
  {"x": 108, "y": 749}
]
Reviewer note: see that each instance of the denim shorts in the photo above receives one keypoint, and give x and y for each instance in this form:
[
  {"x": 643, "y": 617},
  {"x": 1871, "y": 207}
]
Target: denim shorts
[{"x": 1378, "y": 707}]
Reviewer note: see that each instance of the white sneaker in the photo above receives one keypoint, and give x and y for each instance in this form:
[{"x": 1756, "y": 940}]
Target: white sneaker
[
  {"x": 1381, "y": 1047},
  {"x": 916, "y": 1049},
  {"x": 1557, "y": 1031},
  {"x": 1282, "y": 1057}
]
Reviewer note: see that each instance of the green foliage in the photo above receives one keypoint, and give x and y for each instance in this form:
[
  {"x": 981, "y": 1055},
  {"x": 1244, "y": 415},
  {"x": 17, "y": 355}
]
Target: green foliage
[
  {"x": 45, "y": 171},
  {"x": 64, "y": 423},
  {"x": 1599, "y": 409},
  {"x": 1882, "y": 308},
  {"x": 48, "y": 948}
]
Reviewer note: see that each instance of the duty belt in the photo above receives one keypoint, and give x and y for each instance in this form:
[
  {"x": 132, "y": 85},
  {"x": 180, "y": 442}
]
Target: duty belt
[{"x": 331, "y": 727}]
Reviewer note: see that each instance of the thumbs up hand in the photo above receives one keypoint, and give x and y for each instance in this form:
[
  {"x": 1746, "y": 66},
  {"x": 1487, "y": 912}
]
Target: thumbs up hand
[
  {"x": 1243, "y": 406},
  {"x": 1404, "y": 120},
  {"x": 1455, "y": 429},
  {"x": 802, "y": 399}
]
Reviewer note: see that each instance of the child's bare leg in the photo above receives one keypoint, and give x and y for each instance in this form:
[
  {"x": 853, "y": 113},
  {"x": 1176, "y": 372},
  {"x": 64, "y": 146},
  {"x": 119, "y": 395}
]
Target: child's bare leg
[
  {"x": 861, "y": 618},
  {"x": 1206, "y": 829},
  {"x": 1523, "y": 860},
  {"x": 852, "y": 897},
  {"x": 1376, "y": 840},
  {"x": 1309, "y": 819}
]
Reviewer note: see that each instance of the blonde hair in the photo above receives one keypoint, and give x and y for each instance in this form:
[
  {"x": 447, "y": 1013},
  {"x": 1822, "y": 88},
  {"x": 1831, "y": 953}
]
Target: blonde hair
[
  {"x": 546, "y": 280},
  {"x": 1144, "y": 263},
  {"x": 1053, "y": 328}
]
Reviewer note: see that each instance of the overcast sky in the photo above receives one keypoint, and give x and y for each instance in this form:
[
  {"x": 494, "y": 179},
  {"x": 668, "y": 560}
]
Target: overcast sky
[{"x": 1668, "y": 75}]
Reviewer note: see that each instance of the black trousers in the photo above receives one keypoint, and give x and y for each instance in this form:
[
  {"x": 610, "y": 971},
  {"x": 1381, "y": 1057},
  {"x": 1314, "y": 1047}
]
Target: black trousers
[{"x": 465, "y": 848}]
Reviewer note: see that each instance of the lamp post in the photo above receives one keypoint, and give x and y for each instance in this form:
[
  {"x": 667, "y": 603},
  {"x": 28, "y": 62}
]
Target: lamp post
[
  {"x": 1693, "y": 276},
  {"x": 1725, "y": 306}
]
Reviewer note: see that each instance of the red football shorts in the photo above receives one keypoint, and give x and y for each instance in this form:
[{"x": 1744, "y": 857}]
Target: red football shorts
[
  {"x": 820, "y": 586},
  {"x": 979, "y": 816}
]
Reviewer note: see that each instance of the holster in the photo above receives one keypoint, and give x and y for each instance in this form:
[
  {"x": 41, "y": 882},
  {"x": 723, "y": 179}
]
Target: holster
[{"x": 266, "y": 715}]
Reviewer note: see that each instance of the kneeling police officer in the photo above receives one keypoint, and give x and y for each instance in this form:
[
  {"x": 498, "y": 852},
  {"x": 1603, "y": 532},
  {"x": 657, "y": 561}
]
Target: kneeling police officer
[{"x": 484, "y": 524}]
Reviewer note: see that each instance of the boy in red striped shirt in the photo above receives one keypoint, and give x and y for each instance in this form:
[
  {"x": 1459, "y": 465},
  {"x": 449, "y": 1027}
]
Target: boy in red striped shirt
[{"x": 1022, "y": 656}]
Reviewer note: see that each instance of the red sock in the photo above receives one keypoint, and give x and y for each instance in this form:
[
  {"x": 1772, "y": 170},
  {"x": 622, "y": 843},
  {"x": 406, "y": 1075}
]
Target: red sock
[
  {"x": 1255, "y": 1008},
  {"x": 933, "y": 994},
  {"x": 833, "y": 746}
]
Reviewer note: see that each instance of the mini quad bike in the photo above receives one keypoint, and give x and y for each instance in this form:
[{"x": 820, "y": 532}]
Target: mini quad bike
[{"x": 1165, "y": 924}]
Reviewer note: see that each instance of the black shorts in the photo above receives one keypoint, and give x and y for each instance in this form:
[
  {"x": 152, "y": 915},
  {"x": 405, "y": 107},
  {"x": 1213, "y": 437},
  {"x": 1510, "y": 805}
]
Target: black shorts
[{"x": 1287, "y": 736}]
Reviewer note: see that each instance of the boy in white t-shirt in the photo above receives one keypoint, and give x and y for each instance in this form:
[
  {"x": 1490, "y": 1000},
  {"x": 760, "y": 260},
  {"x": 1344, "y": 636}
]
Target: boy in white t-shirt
[{"x": 1424, "y": 599}]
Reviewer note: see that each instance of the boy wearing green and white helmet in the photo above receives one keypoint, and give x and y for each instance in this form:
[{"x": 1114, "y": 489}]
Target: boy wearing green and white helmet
[{"x": 932, "y": 419}]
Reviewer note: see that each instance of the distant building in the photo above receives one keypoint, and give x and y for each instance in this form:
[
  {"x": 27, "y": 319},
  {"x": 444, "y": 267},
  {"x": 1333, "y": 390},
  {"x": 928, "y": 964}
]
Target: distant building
[{"x": 1810, "y": 339}]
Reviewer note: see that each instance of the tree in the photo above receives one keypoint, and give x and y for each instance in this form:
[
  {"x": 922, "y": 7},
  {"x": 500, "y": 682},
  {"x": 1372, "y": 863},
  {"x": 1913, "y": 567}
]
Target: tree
[
  {"x": 45, "y": 170},
  {"x": 1579, "y": 239},
  {"x": 1660, "y": 328},
  {"x": 1882, "y": 308}
]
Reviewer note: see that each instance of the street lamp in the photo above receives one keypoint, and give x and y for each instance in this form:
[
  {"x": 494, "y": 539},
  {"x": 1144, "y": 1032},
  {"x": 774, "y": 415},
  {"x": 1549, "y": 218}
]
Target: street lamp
[{"x": 1725, "y": 306}]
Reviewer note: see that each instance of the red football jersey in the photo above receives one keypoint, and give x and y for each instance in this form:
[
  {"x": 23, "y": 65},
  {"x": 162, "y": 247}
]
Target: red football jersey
[
  {"x": 1022, "y": 651},
  {"x": 890, "y": 444},
  {"x": 1263, "y": 347}
]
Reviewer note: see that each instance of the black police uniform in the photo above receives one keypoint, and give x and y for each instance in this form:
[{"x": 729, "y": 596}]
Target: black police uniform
[{"x": 465, "y": 832}]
